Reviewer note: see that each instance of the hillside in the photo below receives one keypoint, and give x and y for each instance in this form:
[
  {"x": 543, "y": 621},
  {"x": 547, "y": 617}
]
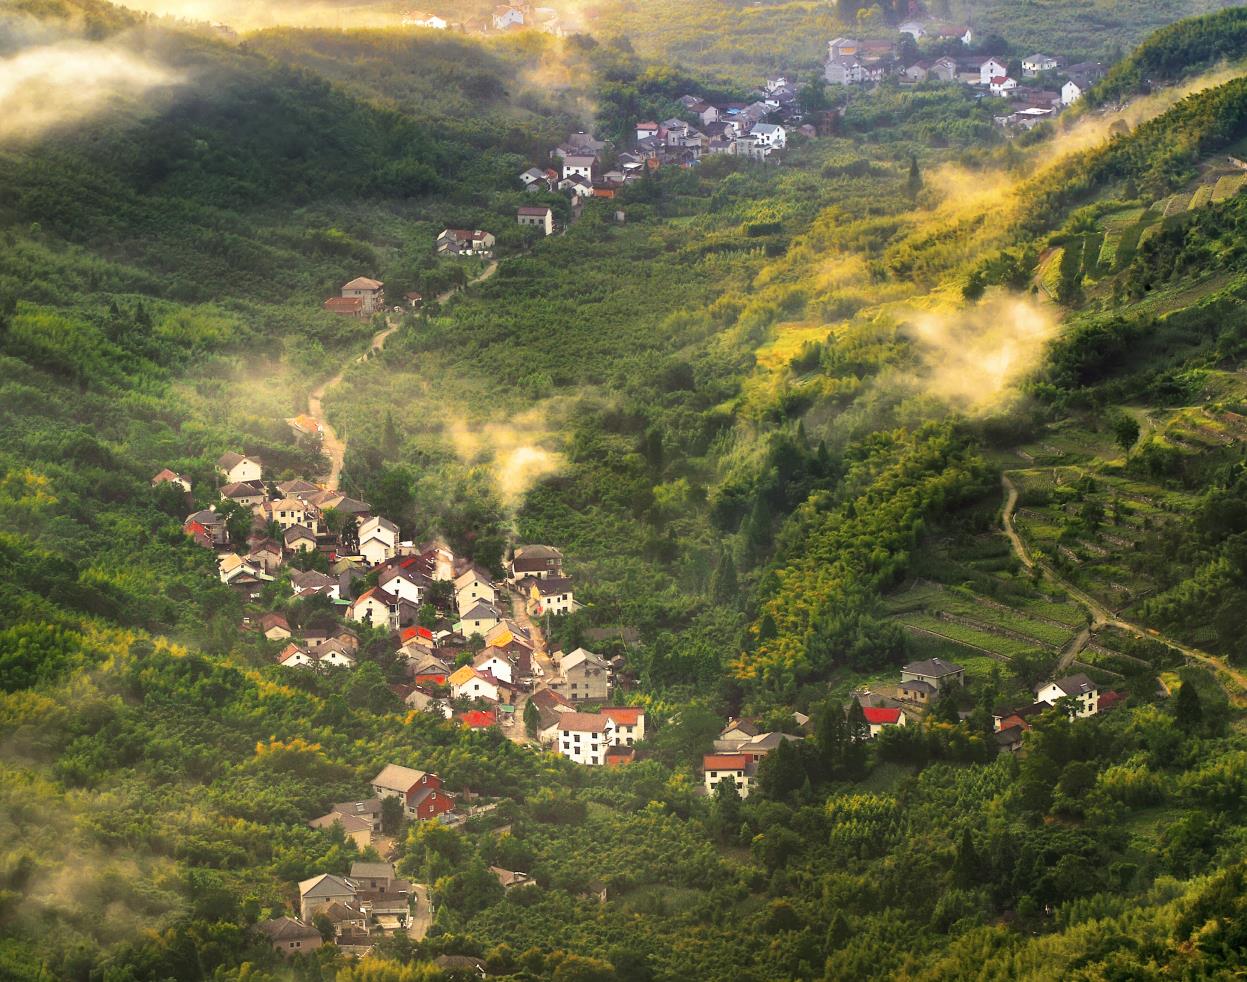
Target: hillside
[{"x": 910, "y": 390}]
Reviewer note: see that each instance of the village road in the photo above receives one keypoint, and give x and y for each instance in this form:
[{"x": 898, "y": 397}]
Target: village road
[
  {"x": 332, "y": 444},
  {"x": 1101, "y": 616}
]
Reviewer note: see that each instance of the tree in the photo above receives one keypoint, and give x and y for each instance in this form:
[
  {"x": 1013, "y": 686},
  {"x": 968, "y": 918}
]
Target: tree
[
  {"x": 391, "y": 814},
  {"x": 914, "y": 184},
  {"x": 1125, "y": 429},
  {"x": 391, "y": 441},
  {"x": 532, "y": 718},
  {"x": 1188, "y": 709},
  {"x": 781, "y": 772},
  {"x": 727, "y": 810},
  {"x": 966, "y": 867},
  {"x": 723, "y": 584}
]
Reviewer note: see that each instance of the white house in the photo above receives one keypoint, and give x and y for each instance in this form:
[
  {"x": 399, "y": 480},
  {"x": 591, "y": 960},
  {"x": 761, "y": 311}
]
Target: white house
[
  {"x": 990, "y": 69},
  {"x": 879, "y": 717},
  {"x": 579, "y": 165},
  {"x": 320, "y": 891},
  {"x": 1071, "y": 92},
  {"x": 741, "y": 769},
  {"x": 1002, "y": 85},
  {"x": 378, "y": 540},
  {"x": 494, "y": 663},
  {"x": 370, "y": 293},
  {"x": 506, "y": 16},
  {"x": 167, "y": 476},
  {"x": 296, "y": 657},
  {"x": 553, "y": 595},
  {"x": 480, "y": 619},
  {"x": 418, "y": 18},
  {"x": 373, "y": 607},
  {"x": 935, "y": 672},
  {"x": 914, "y": 28},
  {"x": 406, "y": 584},
  {"x": 584, "y": 737},
  {"x": 289, "y": 512},
  {"x": 534, "y": 216},
  {"x": 843, "y": 71},
  {"x": 1037, "y": 63},
  {"x": 472, "y": 586},
  {"x": 1077, "y": 687},
  {"x": 532, "y": 177},
  {"x": 237, "y": 468},
  {"x": 769, "y": 135},
  {"x": 471, "y": 683},
  {"x": 628, "y": 724}
]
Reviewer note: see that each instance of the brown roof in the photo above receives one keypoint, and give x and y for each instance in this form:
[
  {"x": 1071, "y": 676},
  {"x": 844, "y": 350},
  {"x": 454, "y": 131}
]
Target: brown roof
[
  {"x": 363, "y": 283},
  {"x": 533, "y": 211},
  {"x": 583, "y": 722},
  {"x": 343, "y": 305}
]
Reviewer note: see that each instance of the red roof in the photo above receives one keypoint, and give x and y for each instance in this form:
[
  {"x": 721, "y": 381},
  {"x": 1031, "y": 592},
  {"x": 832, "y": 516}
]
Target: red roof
[
  {"x": 476, "y": 719},
  {"x": 416, "y": 632},
  {"x": 725, "y": 762},
  {"x": 880, "y": 715},
  {"x": 623, "y": 715}
]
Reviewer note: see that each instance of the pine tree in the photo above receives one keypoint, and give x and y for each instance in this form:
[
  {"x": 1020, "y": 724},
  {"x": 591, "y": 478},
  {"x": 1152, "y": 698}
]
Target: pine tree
[
  {"x": 390, "y": 440},
  {"x": 1188, "y": 709},
  {"x": 724, "y": 586},
  {"x": 914, "y": 185},
  {"x": 838, "y": 933},
  {"x": 858, "y": 728},
  {"x": 532, "y": 718},
  {"x": 966, "y": 867}
]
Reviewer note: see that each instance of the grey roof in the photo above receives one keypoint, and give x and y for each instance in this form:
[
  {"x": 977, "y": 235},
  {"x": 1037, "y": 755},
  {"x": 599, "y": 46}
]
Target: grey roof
[
  {"x": 311, "y": 579},
  {"x": 1075, "y": 685},
  {"x": 933, "y": 667},
  {"x": 917, "y": 685},
  {"x": 371, "y": 871},
  {"x": 286, "y": 929},
  {"x": 296, "y": 532}
]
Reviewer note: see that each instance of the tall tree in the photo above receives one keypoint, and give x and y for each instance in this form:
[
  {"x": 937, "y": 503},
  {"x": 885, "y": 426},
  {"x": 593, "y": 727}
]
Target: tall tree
[{"x": 914, "y": 184}]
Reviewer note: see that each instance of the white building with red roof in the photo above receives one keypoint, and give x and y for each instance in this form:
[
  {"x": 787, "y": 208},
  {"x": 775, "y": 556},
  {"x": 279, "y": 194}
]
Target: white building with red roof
[{"x": 878, "y": 717}]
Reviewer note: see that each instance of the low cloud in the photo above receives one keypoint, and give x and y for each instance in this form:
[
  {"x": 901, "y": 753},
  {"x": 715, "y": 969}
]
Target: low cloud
[
  {"x": 975, "y": 358},
  {"x": 54, "y": 85},
  {"x": 253, "y": 15},
  {"x": 512, "y": 451}
]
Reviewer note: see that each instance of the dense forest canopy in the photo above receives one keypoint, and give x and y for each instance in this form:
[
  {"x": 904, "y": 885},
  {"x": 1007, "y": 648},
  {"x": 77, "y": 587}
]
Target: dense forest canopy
[{"x": 919, "y": 387}]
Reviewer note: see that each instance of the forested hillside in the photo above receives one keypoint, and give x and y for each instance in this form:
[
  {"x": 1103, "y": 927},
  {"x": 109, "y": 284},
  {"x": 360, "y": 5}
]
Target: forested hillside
[{"x": 918, "y": 390}]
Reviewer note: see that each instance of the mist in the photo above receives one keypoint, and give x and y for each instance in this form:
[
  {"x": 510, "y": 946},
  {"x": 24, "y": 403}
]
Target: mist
[
  {"x": 512, "y": 451},
  {"x": 51, "y": 86},
  {"x": 248, "y": 15},
  {"x": 973, "y": 359}
]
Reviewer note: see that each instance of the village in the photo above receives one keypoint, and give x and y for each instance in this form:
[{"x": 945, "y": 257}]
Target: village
[
  {"x": 468, "y": 644},
  {"x": 471, "y": 652},
  {"x": 1033, "y": 89}
]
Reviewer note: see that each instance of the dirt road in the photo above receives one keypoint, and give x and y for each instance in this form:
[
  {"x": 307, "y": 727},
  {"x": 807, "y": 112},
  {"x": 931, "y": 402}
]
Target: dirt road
[
  {"x": 1102, "y": 617},
  {"x": 333, "y": 445},
  {"x": 421, "y": 918}
]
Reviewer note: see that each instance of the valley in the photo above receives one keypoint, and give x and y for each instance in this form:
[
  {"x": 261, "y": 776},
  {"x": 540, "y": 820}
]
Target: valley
[{"x": 641, "y": 495}]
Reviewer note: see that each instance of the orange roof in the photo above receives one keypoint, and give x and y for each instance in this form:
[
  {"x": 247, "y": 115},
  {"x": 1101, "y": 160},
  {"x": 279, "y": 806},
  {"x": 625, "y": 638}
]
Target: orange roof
[
  {"x": 725, "y": 762},
  {"x": 476, "y": 718},
  {"x": 625, "y": 715}
]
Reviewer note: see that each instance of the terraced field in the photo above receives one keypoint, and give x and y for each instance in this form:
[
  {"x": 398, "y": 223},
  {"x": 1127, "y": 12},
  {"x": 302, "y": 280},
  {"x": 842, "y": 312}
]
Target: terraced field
[{"x": 956, "y": 622}]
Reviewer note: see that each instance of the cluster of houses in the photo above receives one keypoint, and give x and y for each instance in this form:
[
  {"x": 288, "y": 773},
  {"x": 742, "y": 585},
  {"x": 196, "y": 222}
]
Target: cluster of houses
[
  {"x": 740, "y": 746},
  {"x": 924, "y": 682},
  {"x": 438, "y": 605},
  {"x": 587, "y": 167},
  {"x": 371, "y": 901},
  {"x": 519, "y": 15},
  {"x": 1045, "y": 87}
]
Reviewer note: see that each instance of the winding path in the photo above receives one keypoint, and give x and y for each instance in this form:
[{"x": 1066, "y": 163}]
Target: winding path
[
  {"x": 1101, "y": 616},
  {"x": 332, "y": 444}
]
